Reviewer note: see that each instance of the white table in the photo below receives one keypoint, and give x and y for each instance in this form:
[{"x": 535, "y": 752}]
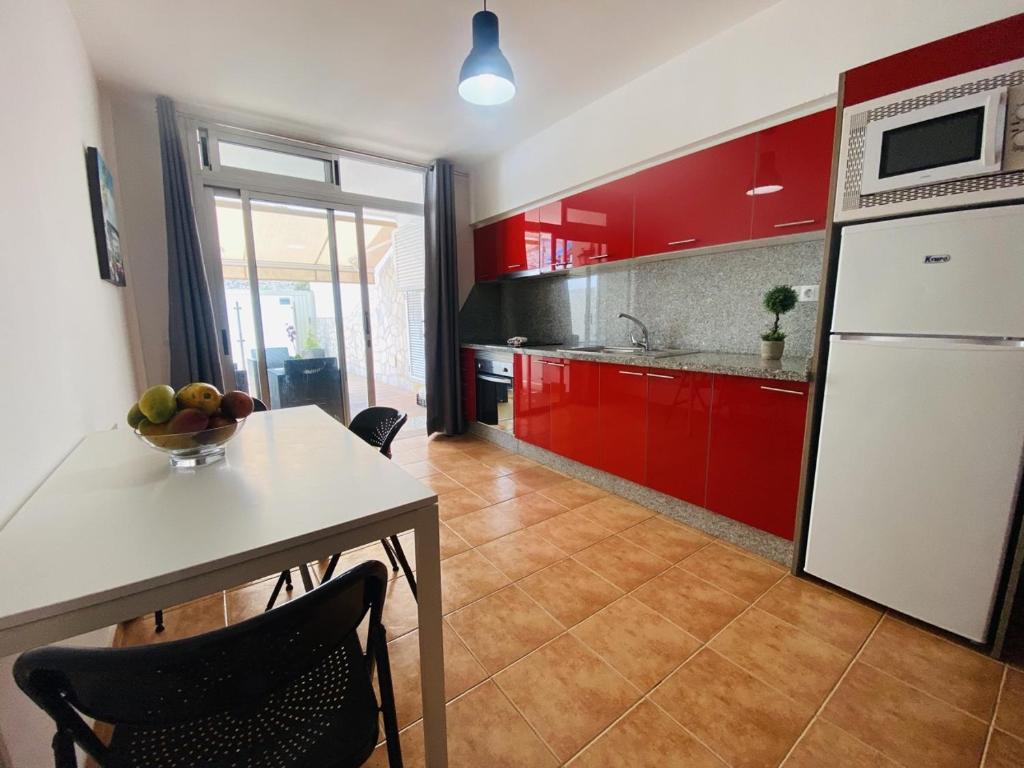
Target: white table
[{"x": 115, "y": 533}]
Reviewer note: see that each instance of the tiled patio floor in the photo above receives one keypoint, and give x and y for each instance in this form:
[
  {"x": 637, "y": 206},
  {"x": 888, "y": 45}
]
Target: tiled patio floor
[{"x": 584, "y": 630}]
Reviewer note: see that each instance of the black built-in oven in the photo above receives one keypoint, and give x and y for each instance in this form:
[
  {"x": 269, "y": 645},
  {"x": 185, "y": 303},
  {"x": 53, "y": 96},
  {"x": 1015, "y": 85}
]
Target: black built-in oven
[{"x": 494, "y": 390}]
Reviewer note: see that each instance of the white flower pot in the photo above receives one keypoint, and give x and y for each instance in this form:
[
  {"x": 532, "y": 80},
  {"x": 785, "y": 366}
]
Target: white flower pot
[{"x": 772, "y": 350}]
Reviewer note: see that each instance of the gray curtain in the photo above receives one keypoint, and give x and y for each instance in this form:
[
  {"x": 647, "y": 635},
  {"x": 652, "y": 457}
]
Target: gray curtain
[
  {"x": 191, "y": 330},
  {"x": 441, "y": 304}
]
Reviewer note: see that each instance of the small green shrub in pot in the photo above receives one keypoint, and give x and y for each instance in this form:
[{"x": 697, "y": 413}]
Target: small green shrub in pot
[{"x": 779, "y": 300}]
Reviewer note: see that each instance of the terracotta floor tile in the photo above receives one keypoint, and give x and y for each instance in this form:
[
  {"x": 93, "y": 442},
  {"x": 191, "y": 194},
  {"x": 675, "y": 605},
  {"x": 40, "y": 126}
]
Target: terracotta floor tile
[
  {"x": 451, "y": 544},
  {"x": 572, "y": 531},
  {"x": 639, "y": 643},
  {"x": 539, "y": 477},
  {"x": 421, "y": 469},
  {"x": 461, "y": 672},
  {"x": 569, "y": 591},
  {"x": 700, "y": 608},
  {"x": 573, "y": 493},
  {"x": 824, "y": 745},
  {"x": 646, "y": 738},
  {"x": 502, "y": 488},
  {"x": 826, "y": 615},
  {"x": 745, "y": 721},
  {"x": 438, "y": 446},
  {"x": 623, "y": 563},
  {"x": 251, "y": 600},
  {"x": 503, "y": 627},
  {"x": 1011, "y": 704},
  {"x": 484, "y": 731},
  {"x": 467, "y": 474},
  {"x": 448, "y": 461},
  {"x": 907, "y": 725},
  {"x": 460, "y": 502},
  {"x": 507, "y": 463},
  {"x": 188, "y": 620},
  {"x": 468, "y": 577},
  {"x": 567, "y": 693},
  {"x": 521, "y": 553},
  {"x": 1004, "y": 751},
  {"x": 793, "y": 661},
  {"x": 487, "y": 524},
  {"x": 615, "y": 513},
  {"x": 440, "y": 483},
  {"x": 534, "y": 508},
  {"x": 743, "y": 576},
  {"x": 408, "y": 455},
  {"x": 947, "y": 671},
  {"x": 400, "y": 609},
  {"x": 666, "y": 538}
]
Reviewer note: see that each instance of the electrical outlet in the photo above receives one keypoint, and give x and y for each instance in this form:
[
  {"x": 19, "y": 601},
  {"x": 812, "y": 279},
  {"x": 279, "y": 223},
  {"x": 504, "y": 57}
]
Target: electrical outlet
[{"x": 806, "y": 292}]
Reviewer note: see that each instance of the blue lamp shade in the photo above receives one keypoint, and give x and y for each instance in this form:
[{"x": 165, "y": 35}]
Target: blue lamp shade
[{"x": 486, "y": 77}]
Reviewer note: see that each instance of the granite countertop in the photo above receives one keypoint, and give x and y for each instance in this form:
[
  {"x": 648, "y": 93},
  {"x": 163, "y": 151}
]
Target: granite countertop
[{"x": 729, "y": 363}]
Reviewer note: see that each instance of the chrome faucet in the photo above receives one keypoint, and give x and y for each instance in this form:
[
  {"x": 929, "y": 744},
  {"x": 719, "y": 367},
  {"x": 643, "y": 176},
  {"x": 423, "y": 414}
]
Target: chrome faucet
[{"x": 644, "y": 342}]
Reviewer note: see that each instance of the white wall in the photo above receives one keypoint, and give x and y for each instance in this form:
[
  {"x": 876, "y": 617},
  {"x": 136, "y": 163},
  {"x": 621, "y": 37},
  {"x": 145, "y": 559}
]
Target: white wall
[
  {"x": 788, "y": 55},
  {"x": 63, "y": 337}
]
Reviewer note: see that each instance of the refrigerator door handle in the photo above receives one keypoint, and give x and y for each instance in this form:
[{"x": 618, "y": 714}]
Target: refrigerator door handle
[{"x": 985, "y": 342}]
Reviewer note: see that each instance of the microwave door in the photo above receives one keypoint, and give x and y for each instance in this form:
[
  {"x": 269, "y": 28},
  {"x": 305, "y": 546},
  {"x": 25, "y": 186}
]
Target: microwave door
[{"x": 954, "y": 139}]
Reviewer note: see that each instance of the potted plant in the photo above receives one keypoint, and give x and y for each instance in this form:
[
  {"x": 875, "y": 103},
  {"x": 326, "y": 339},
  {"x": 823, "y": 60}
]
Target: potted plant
[{"x": 779, "y": 300}]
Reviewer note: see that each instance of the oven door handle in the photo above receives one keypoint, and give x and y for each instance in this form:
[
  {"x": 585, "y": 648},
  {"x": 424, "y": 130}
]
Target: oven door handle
[{"x": 494, "y": 379}]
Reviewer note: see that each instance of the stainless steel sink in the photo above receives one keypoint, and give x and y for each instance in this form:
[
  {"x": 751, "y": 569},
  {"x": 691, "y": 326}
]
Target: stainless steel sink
[{"x": 627, "y": 350}]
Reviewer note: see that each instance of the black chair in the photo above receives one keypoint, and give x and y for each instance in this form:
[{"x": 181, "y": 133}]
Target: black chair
[
  {"x": 258, "y": 405},
  {"x": 290, "y": 688},
  {"x": 378, "y": 426}
]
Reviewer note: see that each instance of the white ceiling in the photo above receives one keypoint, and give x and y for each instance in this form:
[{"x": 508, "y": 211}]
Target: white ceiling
[{"x": 382, "y": 74}]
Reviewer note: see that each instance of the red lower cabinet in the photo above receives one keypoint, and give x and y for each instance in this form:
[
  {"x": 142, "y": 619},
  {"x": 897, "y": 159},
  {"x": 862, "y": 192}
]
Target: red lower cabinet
[
  {"x": 532, "y": 408},
  {"x": 575, "y": 400},
  {"x": 678, "y": 419},
  {"x": 623, "y": 421},
  {"x": 757, "y": 433},
  {"x": 468, "y": 371}
]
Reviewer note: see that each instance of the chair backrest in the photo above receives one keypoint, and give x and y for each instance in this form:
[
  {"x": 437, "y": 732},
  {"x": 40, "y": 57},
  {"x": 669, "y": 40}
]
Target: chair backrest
[
  {"x": 186, "y": 680},
  {"x": 258, "y": 405},
  {"x": 379, "y": 426}
]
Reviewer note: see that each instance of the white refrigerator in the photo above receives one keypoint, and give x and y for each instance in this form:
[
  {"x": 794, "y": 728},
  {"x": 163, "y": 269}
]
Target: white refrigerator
[{"x": 922, "y": 427}]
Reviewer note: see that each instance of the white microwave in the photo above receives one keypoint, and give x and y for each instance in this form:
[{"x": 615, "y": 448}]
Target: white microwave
[{"x": 950, "y": 143}]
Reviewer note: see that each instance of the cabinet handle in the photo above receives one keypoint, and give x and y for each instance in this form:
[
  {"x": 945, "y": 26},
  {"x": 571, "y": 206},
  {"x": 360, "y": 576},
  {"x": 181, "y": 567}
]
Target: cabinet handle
[
  {"x": 514, "y": 266},
  {"x": 630, "y": 373},
  {"x": 785, "y": 224},
  {"x": 597, "y": 258},
  {"x": 683, "y": 242},
  {"x": 660, "y": 376},
  {"x": 559, "y": 365},
  {"x": 786, "y": 391}
]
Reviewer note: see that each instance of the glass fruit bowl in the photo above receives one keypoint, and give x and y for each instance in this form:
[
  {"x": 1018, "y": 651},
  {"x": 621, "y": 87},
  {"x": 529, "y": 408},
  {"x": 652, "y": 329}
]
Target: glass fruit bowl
[{"x": 193, "y": 449}]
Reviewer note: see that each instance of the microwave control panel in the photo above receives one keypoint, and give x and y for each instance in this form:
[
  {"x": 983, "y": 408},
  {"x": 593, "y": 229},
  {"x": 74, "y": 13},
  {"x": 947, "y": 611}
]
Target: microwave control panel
[{"x": 1013, "y": 141}]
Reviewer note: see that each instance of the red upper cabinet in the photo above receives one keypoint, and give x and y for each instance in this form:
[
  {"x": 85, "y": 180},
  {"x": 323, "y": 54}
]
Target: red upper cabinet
[
  {"x": 795, "y": 160},
  {"x": 486, "y": 251},
  {"x": 678, "y": 422},
  {"x": 597, "y": 224},
  {"x": 575, "y": 423},
  {"x": 697, "y": 200},
  {"x": 515, "y": 255},
  {"x": 757, "y": 434},
  {"x": 623, "y": 421}
]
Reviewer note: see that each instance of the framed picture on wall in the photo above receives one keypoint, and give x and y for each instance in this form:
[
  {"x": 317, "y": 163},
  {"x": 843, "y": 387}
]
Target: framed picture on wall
[{"x": 104, "y": 217}]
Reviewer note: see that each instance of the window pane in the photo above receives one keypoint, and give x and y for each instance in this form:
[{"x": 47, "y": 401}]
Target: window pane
[
  {"x": 267, "y": 161},
  {"x": 363, "y": 177},
  {"x": 352, "y": 311}
]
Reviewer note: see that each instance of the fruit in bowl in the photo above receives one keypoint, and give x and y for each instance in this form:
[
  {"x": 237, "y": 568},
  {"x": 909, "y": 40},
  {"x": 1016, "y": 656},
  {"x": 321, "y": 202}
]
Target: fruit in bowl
[{"x": 191, "y": 425}]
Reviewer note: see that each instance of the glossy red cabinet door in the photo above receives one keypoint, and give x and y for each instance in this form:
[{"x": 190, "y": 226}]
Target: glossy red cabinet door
[
  {"x": 623, "y": 421},
  {"x": 468, "y": 370},
  {"x": 575, "y": 424},
  {"x": 486, "y": 251},
  {"x": 597, "y": 224},
  {"x": 532, "y": 406},
  {"x": 515, "y": 255},
  {"x": 678, "y": 421},
  {"x": 697, "y": 200},
  {"x": 798, "y": 157},
  {"x": 757, "y": 433}
]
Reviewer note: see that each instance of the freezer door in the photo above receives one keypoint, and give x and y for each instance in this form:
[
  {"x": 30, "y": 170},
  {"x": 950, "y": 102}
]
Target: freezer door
[
  {"x": 917, "y": 470},
  {"x": 949, "y": 274}
]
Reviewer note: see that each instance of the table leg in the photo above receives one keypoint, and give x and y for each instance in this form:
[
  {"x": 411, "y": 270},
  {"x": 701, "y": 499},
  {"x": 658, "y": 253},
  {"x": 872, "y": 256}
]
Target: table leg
[{"x": 428, "y": 578}]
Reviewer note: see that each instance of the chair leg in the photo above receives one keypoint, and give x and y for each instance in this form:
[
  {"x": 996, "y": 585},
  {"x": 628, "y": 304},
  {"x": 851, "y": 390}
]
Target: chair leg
[
  {"x": 331, "y": 565},
  {"x": 307, "y": 578},
  {"x": 287, "y": 580},
  {"x": 284, "y": 578},
  {"x": 387, "y": 699},
  {"x": 158, "y": 618},
  {"x": 391, "y": 555},
  {"x": 400, "y": 554}
]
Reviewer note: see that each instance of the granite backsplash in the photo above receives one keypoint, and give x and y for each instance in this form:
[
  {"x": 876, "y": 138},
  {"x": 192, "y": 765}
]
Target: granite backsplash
[{"x": 706, "y": 301}]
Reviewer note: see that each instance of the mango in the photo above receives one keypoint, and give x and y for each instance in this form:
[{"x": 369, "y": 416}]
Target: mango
[
  {"x": 158, "y": 404},
  {"x": 236, "y": 404},
  {"x": 202, "y": 397},
  {"x": 134, "y": 416}
]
